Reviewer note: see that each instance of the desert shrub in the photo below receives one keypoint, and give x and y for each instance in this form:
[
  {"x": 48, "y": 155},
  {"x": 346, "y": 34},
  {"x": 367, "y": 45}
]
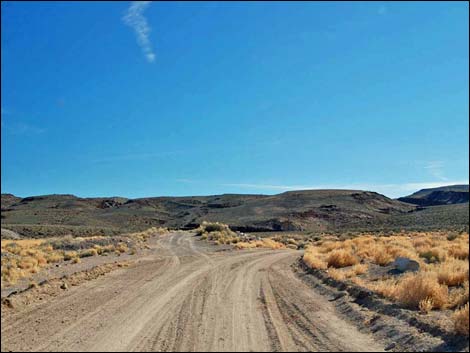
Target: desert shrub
[
  {"x": 459, "y": 296},
  {"x": 341, "y": 258},
  {"x": 54, "y": 257},
  {"x": 360, "y": 269},
  {"x": 263, "y": 243},
  {"x": 69, "y": 255},
  {"x": 122, "y": 248},
  {"x": 423, "y": 285},
  {"x": 291, "y": 241},
  {"x": 433, "y": 255},
  {"x": 426, "y": 305},
  {"x": 24, "y": 257},
  {"x": 382, "y": 258},
  {"x": 443, "y": 264},
  {"x": 336, "y": 274},
  {"x": 88, "y": 253},
  {"x": 217, "y": 232},
  {"x": 459, "y": 251},
  {"x": 27, "y": 263},
  {"x": 452, "y": 236},
  {"x": 312, "y": 259},
  {"x": 461, "y": 320},
  {"x": 209, "y": 227},
  {"x": 453, "y": 272}
]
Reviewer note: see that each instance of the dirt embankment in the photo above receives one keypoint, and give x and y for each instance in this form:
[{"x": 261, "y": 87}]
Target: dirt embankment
[{"x": 186, "y": 296}]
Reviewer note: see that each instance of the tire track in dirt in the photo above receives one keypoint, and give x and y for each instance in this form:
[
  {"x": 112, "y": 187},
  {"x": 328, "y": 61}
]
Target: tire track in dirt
[{"x": 188, "y": 297}]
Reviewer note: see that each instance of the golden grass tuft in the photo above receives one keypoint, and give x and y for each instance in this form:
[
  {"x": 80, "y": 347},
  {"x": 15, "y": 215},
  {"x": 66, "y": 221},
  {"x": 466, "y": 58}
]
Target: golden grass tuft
[
  {"x": 263, "y": 243},
  {"x": 423, "y": 285},
  {"x": 459, "y": 252},
  {"x": 341, "y": 258},
  {"x": 426, "y": 305},
  {"x": 441, "y": 282},
  {"x": 313, "y": 260},
  {"x": 461, "y": 320},
  {"x": 459, "y": 296},
  {"x": 337, "y": 274},
  {"x": 122, "y": 248},
  {"x": 453, "y": 272},
  {"x": 360, "y": 269},
  {"x": 25, "y": 257}
]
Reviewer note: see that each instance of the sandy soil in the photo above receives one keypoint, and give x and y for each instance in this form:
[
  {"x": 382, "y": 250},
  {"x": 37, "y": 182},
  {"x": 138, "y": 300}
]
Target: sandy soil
[{"x": 186, "y": 296}]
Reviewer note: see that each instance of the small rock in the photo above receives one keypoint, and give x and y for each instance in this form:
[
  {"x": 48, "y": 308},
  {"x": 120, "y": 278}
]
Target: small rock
[
  {"x": 404, "y": 264},
  {"x": 390, "y": 346},
  {"x": 7, "y": 302},
  {"x": 64, "y": 286}
]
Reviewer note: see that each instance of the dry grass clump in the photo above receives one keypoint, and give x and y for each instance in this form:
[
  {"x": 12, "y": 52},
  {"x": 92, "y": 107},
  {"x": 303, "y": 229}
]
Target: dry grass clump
[
  {"x": 292, "y": 240},
  {"x": 341, "y": 258},
  {"x": 212, "y": 227},
  {"x": 461, "y": 320},
  {"x": 441, "y": 282},
  {"x": 217, "y": 232},
  {"x": 313, "y": 259},
  {"x": 263, "y": 243},
  {"x": 25, "y": 257},
  {"x": 70, "y": 255},
  {"x": 426, "y": 305},
  {"x": 88, "y": 253},
  {"x": 411, "y": 290},
  {"x": 122, "y": 248},
  {"x": 148, "y": 233},
  {"x": 360, "y": 269},
  {"x": 459, "y": 296},
  {"x": 220, "y": 233},
  {"x": 453, "y": 272},
  {"x": 459, "y": 251},
  {"x": 337, "y": 274},
  {"x": 382, "y": 258}
]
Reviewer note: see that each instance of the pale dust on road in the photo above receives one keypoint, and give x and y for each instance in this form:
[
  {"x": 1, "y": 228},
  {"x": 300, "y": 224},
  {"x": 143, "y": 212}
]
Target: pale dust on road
[{"x": 188, "y": 297}]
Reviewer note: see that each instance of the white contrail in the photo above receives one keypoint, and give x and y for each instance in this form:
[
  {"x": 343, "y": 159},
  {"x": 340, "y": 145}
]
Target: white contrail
[{"x": 134, "y": 18}]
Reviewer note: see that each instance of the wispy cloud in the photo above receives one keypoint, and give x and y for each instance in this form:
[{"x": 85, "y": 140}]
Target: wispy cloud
[
  {"x": 185, "y": 181},
  {"x": 21, "y": 128},
  {"x": 12, "y": 125},
  {"x": 436, "y": 169},
  {"x": 135, "y": 18},
  {"x": 135, "y": 156}
]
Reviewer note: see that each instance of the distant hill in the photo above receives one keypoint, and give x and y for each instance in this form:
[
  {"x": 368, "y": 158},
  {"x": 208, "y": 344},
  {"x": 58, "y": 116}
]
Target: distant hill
[
  {"x": 307, "y": 210},
  {"x": 316, "y": 210},
  {"x": 446, "y": 195},
  {"x": 8, "y": 200}
]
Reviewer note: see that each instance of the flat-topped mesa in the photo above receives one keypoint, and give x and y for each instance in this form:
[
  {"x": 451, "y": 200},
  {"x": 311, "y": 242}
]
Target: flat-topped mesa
[{"x": 446, "y": 195}]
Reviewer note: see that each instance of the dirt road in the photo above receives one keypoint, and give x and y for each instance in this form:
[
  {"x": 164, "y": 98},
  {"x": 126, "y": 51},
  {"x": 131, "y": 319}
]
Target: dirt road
[{"x": 188, "y": 297}]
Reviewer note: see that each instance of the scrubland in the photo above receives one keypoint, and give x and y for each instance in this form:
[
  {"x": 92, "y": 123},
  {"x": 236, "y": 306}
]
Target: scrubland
[
  {"x": 23, "y": 258},
  {"x": 441, "y": 283},
  {"x": 220, "y": 234}
]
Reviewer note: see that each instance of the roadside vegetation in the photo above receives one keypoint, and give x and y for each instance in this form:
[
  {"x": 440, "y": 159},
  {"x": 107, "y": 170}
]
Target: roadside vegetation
[
  {"x": 220, "y": 234},
  {"x": 440, "y": 283},
  {"x": 23, "y": 258}
]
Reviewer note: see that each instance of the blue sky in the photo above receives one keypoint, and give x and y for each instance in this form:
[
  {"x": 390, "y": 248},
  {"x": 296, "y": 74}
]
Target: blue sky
[{"x": 148, "y": 99}]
